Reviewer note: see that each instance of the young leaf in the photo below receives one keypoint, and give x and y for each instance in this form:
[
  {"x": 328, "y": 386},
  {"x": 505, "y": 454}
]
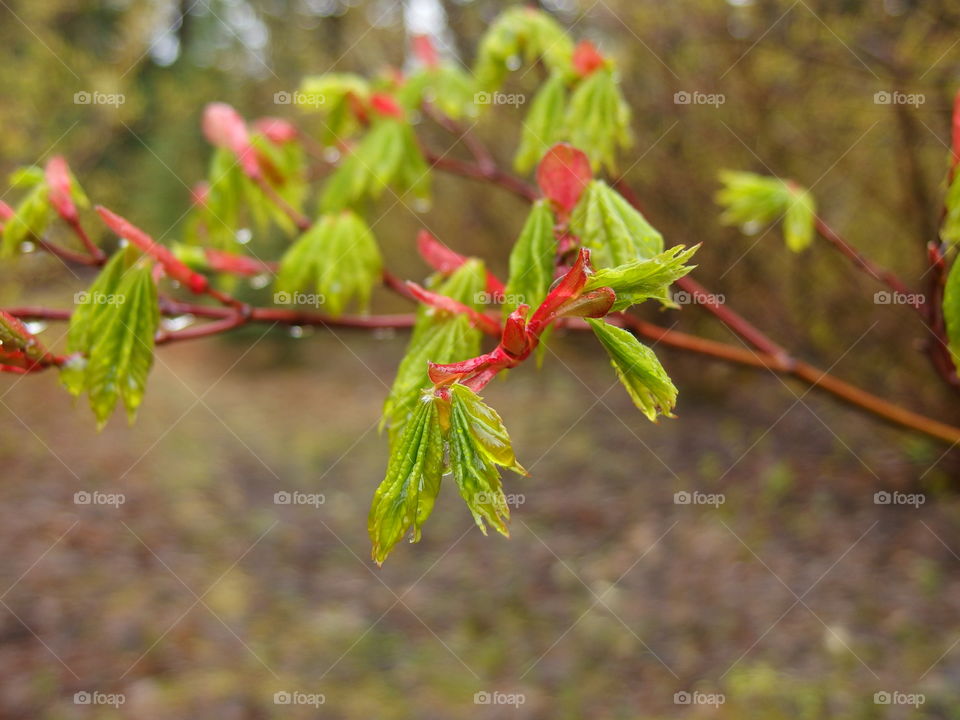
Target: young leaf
[
  {"x": 598, "y": 118},
  {"x": 437, "y": 337},
  {"x": 521, "y": 32},
  {"x": 112, "y": 330},
  {"x": 751, "y": 200},
  {"x": 531, "y": 260},
  {"x": 446, "y": 86},
  {"x": 337, "y": 259},
  {"x": 65, "y": 192},
  {"x": 612, "y": 228},
  {"x": 543, "y": 125},
  {"x": 478, "y": 444},
  {"x": 951, "y": 311},
  {"x": 640, "y": 280},
  {"x": 406, "y": 496},
  {"x": 638, "y": 369},
  {"x": 387, "y": 155},
  {"x": 340, "y": 97},
  {"x": 30, "y": 219}
]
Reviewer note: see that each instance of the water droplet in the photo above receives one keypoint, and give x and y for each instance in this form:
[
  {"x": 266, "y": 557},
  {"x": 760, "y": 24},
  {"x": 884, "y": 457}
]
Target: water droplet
[
  {"x": 331, "y": 154},
  {"x": 172, "y": 324},
  {"x": 35, "y": 327},
  {"x": 296, "y": 331},
  {"x": 260, "y": 281},
  {"x": 27, "y": 247},
  {"x": 244, "y": 236},
  {"x": 514, "y": 62}
]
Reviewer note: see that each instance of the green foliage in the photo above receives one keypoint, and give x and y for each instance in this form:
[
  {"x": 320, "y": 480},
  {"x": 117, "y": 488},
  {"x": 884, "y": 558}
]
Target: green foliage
[
  {"x": 407, "y": 493},
  {"x": 32, "y": 215},
  {"x": 112, "y": 329},
  {"x": 951, "y": 311},
  {"x": 544, "y": 123},
  {"x": 446, "y": 86},
  {"x": 598, "y": 118},
  {"x": 750, "y": 201},
  {"x": 950, "y": 228},
  {"x": 233, "y": 199},
  {"x": 437, "y": 337},
  {"x": 638, "y": 369},
  {"x": 337, "y": 259},
  {"x": 521, "y": 32},
  {"x": 531, "y": 260},
  {"x": 333, "y": 95},
  {"x": 612, "y": 228},
  {"x": 640, "y": 280},
  {"x": 478, "y": 444},
  {"x": 387, "y": 155}
]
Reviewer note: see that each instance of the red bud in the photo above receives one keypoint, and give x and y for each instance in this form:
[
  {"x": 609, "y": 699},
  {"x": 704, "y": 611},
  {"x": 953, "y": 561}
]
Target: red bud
[
  {"x": 425, "y": 51},
  {"x": 58, "y": 181},
  {"x": 224, "y": 127},
  {"x": 172, "y": 266},
  {"x": 587, "y": 59},
  {"x": 386, "y": 105},
  {"x": 276, "y": 130},
  {"x": 563, "y": 174},
  {"x": 444, "y": 260}
]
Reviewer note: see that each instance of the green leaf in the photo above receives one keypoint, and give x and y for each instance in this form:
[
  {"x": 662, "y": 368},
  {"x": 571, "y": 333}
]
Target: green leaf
[
  {"x": 113, "y": 326},
  {"x": 751, "y": 201},
  {"x": 521, "y": 32},
  {"x": 331, "y": 94},
  {"x": 532, "y": 260},
  {"x": 478, "y": 444},
  {"x": 614, "y": 231},
  {"x": 543, "y": 125},
  {"x": 437, "y": 337},
  {"x": 598, "y": 118},
  {"x": 446, "y": 86},
  {"x": 798, "y": 221},
  {"x": 335, "y": 261},
  {"x": 951, "y": 311},
  {"x": 387, "y": 155},
  {"x": 638, "y": 369},
  {"x": 30, "y": 220},
  {"x": 950, "y": 228},
  {"x": 27, "y": 177},
  {"x": 406, "y": 496},
  {"x": 640, "y": 280}
]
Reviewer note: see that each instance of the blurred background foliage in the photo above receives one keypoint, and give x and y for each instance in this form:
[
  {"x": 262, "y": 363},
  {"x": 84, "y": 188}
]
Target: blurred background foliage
[{"x": 799, "y": 80}]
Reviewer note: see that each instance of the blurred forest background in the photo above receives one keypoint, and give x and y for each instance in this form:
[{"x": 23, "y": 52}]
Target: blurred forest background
[{"x": 199, "y": 597}]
